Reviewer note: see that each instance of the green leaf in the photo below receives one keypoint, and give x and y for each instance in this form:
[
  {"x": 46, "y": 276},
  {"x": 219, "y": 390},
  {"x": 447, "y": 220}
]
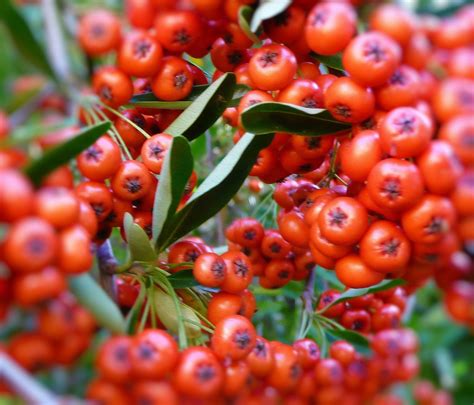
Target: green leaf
[
  {"x": 240, "y": 90},
  {"x": 264, "y": 118},
  {"x": 358, "y": 292},
  {"x": 23, "y": 38},
  {"x": 352, "y": 337},
  {"x": 18, "y": 100},
  {"x": 244, "y": 18},
  {"x": 64, "y": 152},
  {"x": 150, "y": 100},
  {"x": 183, "y": 279},
  {"x": 94, "y": 298},
  {"x": 332, "y": 61},
  {"x": 205, "y": 110},
  {"x": 267, "y": 9},
  {"x": 140, "y": 246},
  {"x": 177, "y": 168},
  {"x": 134, "y": 314},
  {"x": 26, "y": 133},
  {"x": 216, "y": 190}
]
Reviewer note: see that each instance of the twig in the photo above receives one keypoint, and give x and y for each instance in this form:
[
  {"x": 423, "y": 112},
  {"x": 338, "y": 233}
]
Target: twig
[
  {"x": 56, "y": 48},
  {"x": 308, "y": 292},
  {"x": 23, "y": 384},
  {"x": 22, "y": 114},
  {"x": 108, "y": 268}
]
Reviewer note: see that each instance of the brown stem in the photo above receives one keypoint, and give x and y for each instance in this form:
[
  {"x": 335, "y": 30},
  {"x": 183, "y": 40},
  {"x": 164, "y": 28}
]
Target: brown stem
[
  {"x": 108, "y": 268},
  {"x": 308, "y": 292}
]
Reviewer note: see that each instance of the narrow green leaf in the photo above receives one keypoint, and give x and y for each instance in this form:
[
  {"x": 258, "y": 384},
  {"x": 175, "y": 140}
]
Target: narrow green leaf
[
  {"x": 386, "y": 285},
  {"x": 244, "y": 18},
  {"x": 94, "y": 299},
  {"x": 332, "y": 61},
  {"x": 205, "y": 110},
  {"x": 26, "y": 133},
  {"x": 216, "y": 190},
  {"x": 177, "y": 168},
  {"x": 358, "y": 292},
  {"x": 140, "y": 246},
  {"x": 264, "y": 118},
  {"x": 64, "y": 152},
  {"x": 183, "y": 279},
  {"x": 150, "y": 100},
  {"x": 18, "y": 100},
  {"x": 352, "y": 337},
  {"x": 240, "y": 90},
  {"x": 134, "y": 314},
  {"x": 267, "y": 9},
  {"x": 23, "y": 38}
]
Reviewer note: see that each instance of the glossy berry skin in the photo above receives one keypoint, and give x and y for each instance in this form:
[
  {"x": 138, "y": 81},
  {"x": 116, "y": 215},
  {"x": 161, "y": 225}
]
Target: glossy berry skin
[
  {"x": 35, "y": 288},
  {"x": 384, "y": 247},
  {"x": 100, "y": 160},
  {"x": 272, "y": 67},
  {"x": 405, "y": 132},
  {"x": 113, "y": 359},
  {"x": 198, "y": 373},
  {"x": 154, "y": 150},
  {"x": 330, "y": 27},
  {"x": 31, "y": 245},
  {"x": 308, "y": 352},
  {"x": 239, "y": 272},
  {"x": 371, "y": 58},
  {"x": 430, "y": 219},
  {"x": 177, "y": 31},
  {"x": 343, "y": 221},
  {"x": 328, "y": 372},
  {"x": 354, "y": 273},
  {"x": 327, "y": 297},
  {"x": 342, "y": 351},
  {"x": 358, "y": 320},
  {"x": 154, "y": 353},
  {"x": 260, "y": 359},
  {"x": 395, "y": 184},
  {"x": 360, "y": 154},
  {"x": 57, "y": 205},
  {"x": 286, "y": 370},
  {"x": 140, "y": 55},
  {"x": 234, "y": 338},
  {"x": 99, "y": 32},
  {"x": 173, "y": 81},
  {"x": 103, "y": 391},
  {"x": 16, "y": 196},
  {"x": 75, "y": 255},
  {"x": 132, "y": 181},
  {"x": 154, "y": 392},
  {"x": 441, "y": 168},
  {"x": 348, "y": 101},
  {"x": 113, "y": 87},
  {"x": 209, "y": 270},
  {"x": 98, "y": 196}
]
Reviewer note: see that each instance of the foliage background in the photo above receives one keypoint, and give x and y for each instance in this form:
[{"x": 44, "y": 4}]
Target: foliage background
[{"x": 446, "y": 349}]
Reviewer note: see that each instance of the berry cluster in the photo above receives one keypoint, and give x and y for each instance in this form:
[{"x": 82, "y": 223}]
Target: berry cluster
[
  {"x": 49, "y": 235},
  {"x": 45, "y": 346},
  {"x": 389, "y": 196},
  {"x": 246, "y": 368}
]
